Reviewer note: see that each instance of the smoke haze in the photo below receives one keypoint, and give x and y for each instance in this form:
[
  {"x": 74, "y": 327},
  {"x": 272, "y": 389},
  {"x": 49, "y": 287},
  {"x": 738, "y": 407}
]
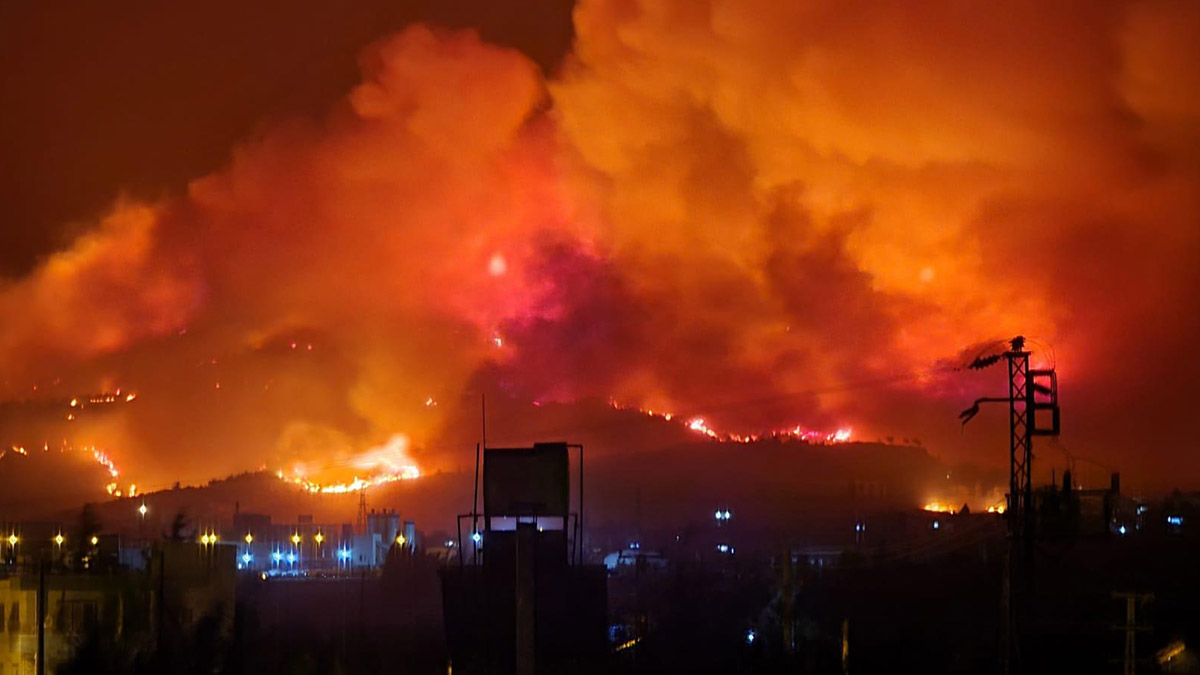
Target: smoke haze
[{"x": 766, "y": 214}]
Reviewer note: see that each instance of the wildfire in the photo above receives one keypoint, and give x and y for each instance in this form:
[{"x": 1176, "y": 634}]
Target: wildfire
[
  {"x": 98, "y": 456},
  {"x": 408, "y": 473},
  {"x": 385, "y": 463},
  {"x": 942, "y": 507},
  {"x": 701, "y": 426}
]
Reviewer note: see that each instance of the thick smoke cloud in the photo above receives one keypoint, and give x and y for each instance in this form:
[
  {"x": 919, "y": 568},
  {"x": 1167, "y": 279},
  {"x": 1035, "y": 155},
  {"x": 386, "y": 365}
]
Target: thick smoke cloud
[{"x": 763, "y": 213}]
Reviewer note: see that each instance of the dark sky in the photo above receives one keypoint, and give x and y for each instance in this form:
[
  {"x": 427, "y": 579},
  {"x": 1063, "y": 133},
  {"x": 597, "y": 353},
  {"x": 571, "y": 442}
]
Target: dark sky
[{"x": 139, "y": 97}]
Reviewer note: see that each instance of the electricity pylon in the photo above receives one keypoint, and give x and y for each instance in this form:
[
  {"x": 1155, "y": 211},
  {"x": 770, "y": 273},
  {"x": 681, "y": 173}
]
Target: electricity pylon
[{"x": 1029, "y": 392}]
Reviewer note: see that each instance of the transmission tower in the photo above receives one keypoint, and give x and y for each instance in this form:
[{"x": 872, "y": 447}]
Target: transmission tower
[{"x": 1030, "y": 392}]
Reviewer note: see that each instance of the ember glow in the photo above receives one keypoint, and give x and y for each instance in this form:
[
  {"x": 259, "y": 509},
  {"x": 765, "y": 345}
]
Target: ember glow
[
  {"x": 945, "y": 507},
  {"x": 112, "y": 487},
  {"x": 383, "y": 464},
  {"x": 701, "y": 426},
  {"x": 751, "y": 213}
]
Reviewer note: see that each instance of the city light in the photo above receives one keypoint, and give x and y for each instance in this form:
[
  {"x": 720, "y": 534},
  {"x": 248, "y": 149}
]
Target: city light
[
  {"x": 1175, "y": 520},
  {"x": 95, "y": 540},
  {"x": 723, "y": 515},
  {"x": 725, "y": 548},
  {"x": 1121, "y": 530},
  {"x": 291, "y": 558},
  {"x": 249, "y": 538},
  {"x": 58, "y": 539},
  {"x": 477, "y": 538},
  {"x": 750, "y": 635},
  {"x": 937, "y": 525},
  {"x": 344, "y": 554},
  {"x": 13, "y": 539},
  {"x": 319, "y": 538},
  {"x": 142, "y": 509},
  {"x": 246, "y": 558},
  {"x": 401, "y": 540},
  {"x": 860, "y": 527},
  {"x": 277, "y": 556},
  {"x": 204, "y": 539},
  {"x": 296, "y": 539}
]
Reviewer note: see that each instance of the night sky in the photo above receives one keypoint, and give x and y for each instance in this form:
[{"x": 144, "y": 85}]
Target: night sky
[{"x": 306, "y": 234}]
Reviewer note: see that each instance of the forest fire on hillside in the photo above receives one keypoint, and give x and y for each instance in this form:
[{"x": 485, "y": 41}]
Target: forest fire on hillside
[{"x": 641, "y": 221}]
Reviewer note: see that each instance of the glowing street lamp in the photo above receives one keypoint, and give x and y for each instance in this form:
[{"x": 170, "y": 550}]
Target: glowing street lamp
[
  {"x": 319, "y": 538},
  {"x": 296, "y": 539},
  {"x": 142, "y": 510},
  {"x": 13, "y": 539},
  {"x": 95, "y": 540},
  {"x": 58, "y": 539},
  {"x": 249, "y": 538},
  {"x": 401, "y": 540}
]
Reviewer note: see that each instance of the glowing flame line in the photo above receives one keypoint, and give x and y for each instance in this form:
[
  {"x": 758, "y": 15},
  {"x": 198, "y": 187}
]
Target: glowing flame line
[
  {"x": 701, "y": 426},
  {"x": 407, "y": 473}
]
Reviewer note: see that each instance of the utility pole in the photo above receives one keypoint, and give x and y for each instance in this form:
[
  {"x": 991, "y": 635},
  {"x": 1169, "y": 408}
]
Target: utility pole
[
  {"x": 362, "y": 509},
  {"x": 41, "y": 617},
  {"x": 1029, "y": 392},
  {"x": 1131, "y": 627},
  {"x": 787, "y": 595}
]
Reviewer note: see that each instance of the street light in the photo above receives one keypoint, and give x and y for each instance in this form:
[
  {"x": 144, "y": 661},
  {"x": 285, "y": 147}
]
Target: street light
[
  {"x": 13, "y": 539},
  {"x": 296, "y": 539},
  {"x": 249, "y": 538},
  {"x": 58, "y": 539},
  {"x": 400, "y": 540},
  {"x": 142, "y": 510},
  {"x": 319, "y": 538},
  {"x": 95, "y": 540}
]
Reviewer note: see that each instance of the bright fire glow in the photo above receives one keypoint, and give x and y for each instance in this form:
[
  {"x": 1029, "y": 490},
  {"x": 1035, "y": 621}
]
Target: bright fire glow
[
  {"x": 382, "y": 464},
  {"x": 936, "y": 506},
  {"x": 798, "y": 432},
  {"x": 97, "y": 455}
]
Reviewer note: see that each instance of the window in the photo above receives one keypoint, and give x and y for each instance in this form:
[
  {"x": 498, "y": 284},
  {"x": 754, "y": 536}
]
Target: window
[{"x": 78, "y": 616}]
